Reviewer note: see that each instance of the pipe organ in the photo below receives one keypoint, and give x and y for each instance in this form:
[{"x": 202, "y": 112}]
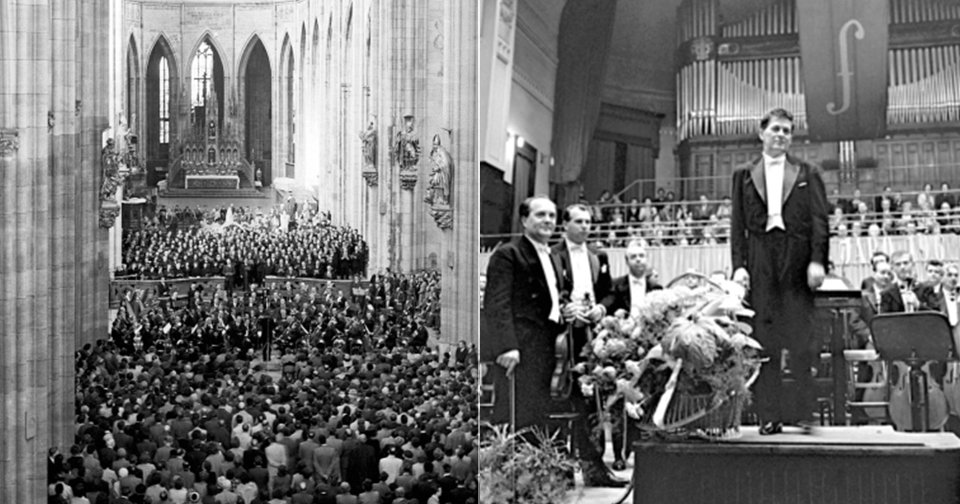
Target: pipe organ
[{"x": 730, "y": 74}]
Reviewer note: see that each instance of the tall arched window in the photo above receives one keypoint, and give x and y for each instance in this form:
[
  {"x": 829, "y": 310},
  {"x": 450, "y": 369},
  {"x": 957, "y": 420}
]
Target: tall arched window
[
  {"x": 206, "y": 81},
  {"x": 202, "y": 73},
  {"x": 164, "y": 96}
]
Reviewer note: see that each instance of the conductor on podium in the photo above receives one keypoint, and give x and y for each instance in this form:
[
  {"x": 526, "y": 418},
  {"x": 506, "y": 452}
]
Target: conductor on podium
[{"x": 779, "y": 246}]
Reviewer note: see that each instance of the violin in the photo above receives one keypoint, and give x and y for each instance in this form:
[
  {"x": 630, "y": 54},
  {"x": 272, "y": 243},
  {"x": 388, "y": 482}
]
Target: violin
[{"x": 561, "y": 382}]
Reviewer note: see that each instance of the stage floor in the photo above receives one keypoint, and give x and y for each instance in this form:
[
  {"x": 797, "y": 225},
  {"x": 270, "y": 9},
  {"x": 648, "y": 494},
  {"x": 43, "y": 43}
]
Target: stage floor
[{"x": 826, "y": 439}]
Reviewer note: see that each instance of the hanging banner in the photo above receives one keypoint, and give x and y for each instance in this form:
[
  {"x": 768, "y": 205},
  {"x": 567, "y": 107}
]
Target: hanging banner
[{"x": 843, "y": 54}]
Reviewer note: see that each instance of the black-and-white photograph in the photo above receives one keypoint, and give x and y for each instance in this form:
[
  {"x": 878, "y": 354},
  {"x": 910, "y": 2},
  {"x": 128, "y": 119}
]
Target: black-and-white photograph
[
  {"x": 718, "y": 251},
  {"x": 238, "y": 252}
]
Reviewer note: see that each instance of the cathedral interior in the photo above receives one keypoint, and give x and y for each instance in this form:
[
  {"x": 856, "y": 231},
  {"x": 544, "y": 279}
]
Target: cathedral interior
[{"x": 363, "y": 112}]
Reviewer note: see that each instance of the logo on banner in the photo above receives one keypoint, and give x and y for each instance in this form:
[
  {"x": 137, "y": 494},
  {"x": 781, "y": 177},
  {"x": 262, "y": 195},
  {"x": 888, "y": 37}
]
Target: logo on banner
[{"x": 845, "y": 74}]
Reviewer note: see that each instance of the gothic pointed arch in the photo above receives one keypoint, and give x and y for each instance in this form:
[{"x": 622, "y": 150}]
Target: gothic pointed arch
[
  {"x": 256, "y": 92},
  {"x": 287, "y": 109},
  {"x": 206, "y": 80},
  {"x": 161, "y": 88},
  {"x": 132, "y": 96}
]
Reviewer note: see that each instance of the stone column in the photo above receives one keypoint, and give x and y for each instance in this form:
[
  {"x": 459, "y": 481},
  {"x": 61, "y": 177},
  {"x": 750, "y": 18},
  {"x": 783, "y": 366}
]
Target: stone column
[
  {"x": 458, "y": 261},
  {"x": 53, "y": 59}
]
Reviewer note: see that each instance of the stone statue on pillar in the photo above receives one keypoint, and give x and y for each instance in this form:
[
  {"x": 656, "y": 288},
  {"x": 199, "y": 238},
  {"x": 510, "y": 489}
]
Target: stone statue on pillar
[
  {"x": 369, "y": 139},
  {"x": 112, "y": 178},
  {"x": 438, "y": 193},
  {"x": 407, "y": 153}
]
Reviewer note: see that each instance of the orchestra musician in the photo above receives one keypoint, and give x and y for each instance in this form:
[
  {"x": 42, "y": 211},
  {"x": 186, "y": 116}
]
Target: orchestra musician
[
  {"x": 905, "y": 295},
  {"x": 901, "y": 296},
  {"x": 625, "y": 293},
  {"x": 585, "y": 273},
  {"x": 521, "y": 312}
]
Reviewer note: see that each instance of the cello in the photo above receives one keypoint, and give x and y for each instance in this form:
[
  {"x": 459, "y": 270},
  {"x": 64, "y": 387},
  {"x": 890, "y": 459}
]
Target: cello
[{"x": 902, "y": 398}]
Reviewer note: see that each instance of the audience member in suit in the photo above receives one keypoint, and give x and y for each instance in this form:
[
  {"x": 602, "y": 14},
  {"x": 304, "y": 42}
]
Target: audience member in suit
[
  {"x": 626, "y": 292},
  {"x": 944, "y": 196},
  {"x": 585, "y": 278},
  {"x": 779, "y": 246},
  {"x": 521, "y": 309}
]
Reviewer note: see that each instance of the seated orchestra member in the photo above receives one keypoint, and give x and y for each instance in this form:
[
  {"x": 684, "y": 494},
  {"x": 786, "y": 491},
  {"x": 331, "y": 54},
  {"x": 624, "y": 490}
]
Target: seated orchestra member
[
  {"x": 625, "y": 293},
  {"x": 876, "y": 258},
  {"x": 900, "y": 296}
]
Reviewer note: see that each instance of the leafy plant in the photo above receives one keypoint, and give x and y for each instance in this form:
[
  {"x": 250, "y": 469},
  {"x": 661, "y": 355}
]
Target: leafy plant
[{"x": 524, "y": 467}]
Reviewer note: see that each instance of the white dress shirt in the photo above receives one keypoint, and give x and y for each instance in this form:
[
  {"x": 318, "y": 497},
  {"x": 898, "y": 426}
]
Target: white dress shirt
[
  {"x": 582, "y": 274},
  {"x": 543, "y": 252},
  {"x": 773, "y": 174},
  {"x": 950, "y": 299},
  {"x": 638, "y": 288}
]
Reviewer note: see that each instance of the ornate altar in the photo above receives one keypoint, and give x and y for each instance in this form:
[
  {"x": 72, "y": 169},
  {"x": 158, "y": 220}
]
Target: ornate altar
[{"x": 210, "y": 159}]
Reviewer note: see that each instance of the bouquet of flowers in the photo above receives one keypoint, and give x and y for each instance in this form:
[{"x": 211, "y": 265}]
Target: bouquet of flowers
[{"x": 679, "y": 343}]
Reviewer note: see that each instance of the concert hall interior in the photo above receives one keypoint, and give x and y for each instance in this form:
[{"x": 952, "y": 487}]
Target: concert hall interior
[{"x": 643, "y": 111}]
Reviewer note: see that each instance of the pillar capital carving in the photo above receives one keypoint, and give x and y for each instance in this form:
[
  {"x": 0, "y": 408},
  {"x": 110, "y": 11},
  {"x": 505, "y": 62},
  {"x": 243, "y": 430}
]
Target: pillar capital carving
[
  {"x": 443, "y": 216},
  {"x": 108, "y": 214},
  {"x": 408, "y": 179},
  {"x": 371, "y": 176},
  {"x": 9, "y": 142}
]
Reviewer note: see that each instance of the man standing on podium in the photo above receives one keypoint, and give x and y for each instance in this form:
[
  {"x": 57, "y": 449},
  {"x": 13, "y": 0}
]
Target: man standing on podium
[{"x": 779, "y": 246}]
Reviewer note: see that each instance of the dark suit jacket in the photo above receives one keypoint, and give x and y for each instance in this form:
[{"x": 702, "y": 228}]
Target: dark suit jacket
[
  {"x": 599, "y": 269},
  {"x": 619, "y": 296},
  {"x": 516, "y": 310},
  {"x": 891, "y": 301},
  {"x": 804, "y": 212}
]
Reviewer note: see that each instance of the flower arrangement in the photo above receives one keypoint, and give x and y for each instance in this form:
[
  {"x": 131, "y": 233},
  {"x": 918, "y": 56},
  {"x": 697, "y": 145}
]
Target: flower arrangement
[{"x": 679, "y": 342}]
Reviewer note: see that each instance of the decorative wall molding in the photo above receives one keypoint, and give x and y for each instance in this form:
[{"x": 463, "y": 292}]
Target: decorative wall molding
[
  {"x": 443, "y": 216},
  {"x": 408, "y": 179},
  {"x": 9, "y": 142},
  {"x": 371, "y": 177}
]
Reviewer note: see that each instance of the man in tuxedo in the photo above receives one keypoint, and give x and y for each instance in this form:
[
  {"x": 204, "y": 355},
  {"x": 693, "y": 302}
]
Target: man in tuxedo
[
  {"x": 585, "y": 275},
  {"x": 625, "y": 293},
  {"x": 868, "y": 283},
  {"x": 779, "y": 246},
  {"x": 628, "y": 290},
  {"x": 522, "y": 317},
  {"x": 900, "y": 295}
]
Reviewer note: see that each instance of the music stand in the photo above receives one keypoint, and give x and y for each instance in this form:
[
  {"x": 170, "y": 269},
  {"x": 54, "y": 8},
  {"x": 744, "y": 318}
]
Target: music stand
[
  {"x": 914, "y": 338},
  {"x": 837, "y": 301}
]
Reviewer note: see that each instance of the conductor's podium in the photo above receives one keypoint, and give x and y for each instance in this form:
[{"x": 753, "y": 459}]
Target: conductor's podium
[{"x": 833, "y": 465}]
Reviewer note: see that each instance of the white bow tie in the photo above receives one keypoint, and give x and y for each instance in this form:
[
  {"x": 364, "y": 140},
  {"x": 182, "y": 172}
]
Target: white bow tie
[
  {"x": 637, "y": 281},
  {"x": 577, "y": 247},
  {"x": 541, "y": 248}
]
